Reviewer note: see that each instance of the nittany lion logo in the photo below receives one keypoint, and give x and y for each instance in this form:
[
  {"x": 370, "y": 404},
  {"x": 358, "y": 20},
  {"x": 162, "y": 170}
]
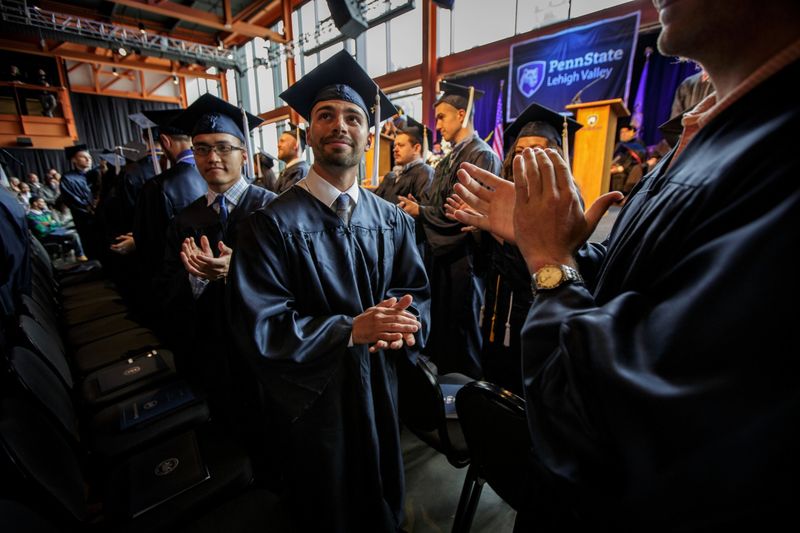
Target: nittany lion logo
[{"x": 530, "y": 77}]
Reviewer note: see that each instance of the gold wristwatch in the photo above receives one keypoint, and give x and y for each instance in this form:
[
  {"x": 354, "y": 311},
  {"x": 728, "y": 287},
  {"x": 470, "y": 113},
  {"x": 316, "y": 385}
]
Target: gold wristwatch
[{"x": 551, "y": 276}]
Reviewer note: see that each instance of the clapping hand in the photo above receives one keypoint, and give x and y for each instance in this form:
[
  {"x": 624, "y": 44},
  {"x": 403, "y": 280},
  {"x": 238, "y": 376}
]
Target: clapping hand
[{"x": 199, "y": 261}]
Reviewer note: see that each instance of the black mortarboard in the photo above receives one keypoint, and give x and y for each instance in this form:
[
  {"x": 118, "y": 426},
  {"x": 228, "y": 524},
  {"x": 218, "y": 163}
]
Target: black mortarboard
[
  {"x": 163, "y": 120},
  {"x": 112, "y": 158},
  {"x": 70, "y": 151},
  {"x": 298, "y": 133},
  {"x": 457, "y": 96},
  {"x": 338, "y": 78},
  {"x": 539, "y": 121},
  {"x": 209, "y": 114},
  {"x": 419, "y": 132},
  {"x": 672, "y": 129},
  {"x": 268, "y": 160}
]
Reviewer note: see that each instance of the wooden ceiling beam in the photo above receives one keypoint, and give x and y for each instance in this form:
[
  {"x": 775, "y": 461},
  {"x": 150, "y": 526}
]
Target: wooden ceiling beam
[{"x": 167, "y": 8}]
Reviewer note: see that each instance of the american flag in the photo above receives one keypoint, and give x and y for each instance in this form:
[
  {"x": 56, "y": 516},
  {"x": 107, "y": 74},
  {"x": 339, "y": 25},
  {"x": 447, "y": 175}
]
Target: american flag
[{"x": 497, "y": 138}]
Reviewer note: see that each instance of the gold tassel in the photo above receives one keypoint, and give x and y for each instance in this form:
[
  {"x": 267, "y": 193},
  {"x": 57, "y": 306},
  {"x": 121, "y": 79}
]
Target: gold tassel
[
  {"x": 507, "y": 339},
  {"x": 494, "y": 311},
  {"x": 483, "y": 307}
]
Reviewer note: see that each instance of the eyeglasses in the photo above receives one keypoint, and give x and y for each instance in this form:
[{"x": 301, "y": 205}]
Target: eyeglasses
[{"x": 221, "y": 149}]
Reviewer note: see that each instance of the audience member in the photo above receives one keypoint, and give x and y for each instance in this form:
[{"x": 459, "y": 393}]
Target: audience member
[
  {"x": 48, "y": 230},
  {"x": 627, "y": 167},
  {"x": 51, "y": 190}
]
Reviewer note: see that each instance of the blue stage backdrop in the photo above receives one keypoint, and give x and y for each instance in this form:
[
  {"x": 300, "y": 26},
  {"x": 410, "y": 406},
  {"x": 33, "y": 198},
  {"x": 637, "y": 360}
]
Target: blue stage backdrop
[{"x": 596, "y": 59}]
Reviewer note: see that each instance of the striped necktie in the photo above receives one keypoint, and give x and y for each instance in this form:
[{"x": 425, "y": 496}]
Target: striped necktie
[{"x": 343, "y": 208}]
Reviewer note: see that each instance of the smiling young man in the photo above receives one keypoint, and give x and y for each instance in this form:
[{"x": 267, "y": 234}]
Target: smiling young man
[
  {"x": 327, "y": 291},
  {"x": 200, "y": 241}
]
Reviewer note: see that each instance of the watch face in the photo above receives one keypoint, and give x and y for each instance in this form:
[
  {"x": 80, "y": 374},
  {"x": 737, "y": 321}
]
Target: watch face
[{"x": 549, "y": 277}]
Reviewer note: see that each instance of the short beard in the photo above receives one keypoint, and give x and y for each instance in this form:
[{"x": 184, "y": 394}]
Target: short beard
[{"x": 341, "y": 160}]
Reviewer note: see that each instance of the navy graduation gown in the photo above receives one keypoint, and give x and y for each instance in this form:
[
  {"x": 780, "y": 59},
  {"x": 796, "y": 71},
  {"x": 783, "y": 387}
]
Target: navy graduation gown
[
  {"x": 201, "y": 323},
  {"x": 298, "y": 277},
  {"x": 161, "y": 199},
  {"x": 15, "y": 268},
  {"x": 77, "y": 193},
  {"x": 666, "y": 394},
  {"x": 415, "y": 181},
  {"x": 290, "y": 176},
  {"x": 508, "y": 299},
  {"x": 455, "y": 261}
]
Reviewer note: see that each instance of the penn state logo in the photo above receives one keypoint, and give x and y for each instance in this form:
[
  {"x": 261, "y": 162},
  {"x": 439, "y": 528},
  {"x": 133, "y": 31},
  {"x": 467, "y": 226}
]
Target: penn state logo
[
  {"x": 167, "y": 466},
  {"x": 131, "y": 371},
  {"x": 592, "y": 120},
  {"x": 530, "y": 77}
]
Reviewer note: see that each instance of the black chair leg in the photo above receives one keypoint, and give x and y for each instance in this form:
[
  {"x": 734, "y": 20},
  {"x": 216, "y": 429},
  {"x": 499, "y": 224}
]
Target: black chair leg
[{"x": 468, "y": 502}]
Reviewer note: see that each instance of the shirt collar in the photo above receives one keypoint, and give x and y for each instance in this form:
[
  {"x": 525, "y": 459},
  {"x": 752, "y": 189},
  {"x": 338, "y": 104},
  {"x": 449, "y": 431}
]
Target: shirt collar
[
  {"x": 411, "y": 165},
  {"x": 324, "y": 191},
  {"x": 232, "y": 196},
  {"x": 694, "y": 120},
  {"x": 292, "y": 162}
]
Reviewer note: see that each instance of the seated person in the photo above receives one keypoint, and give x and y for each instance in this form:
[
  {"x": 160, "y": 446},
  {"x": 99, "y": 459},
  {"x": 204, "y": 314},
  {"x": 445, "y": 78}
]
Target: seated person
[
  {"x": 48, "y": 230},
  {"x": 629, "y": 156}
]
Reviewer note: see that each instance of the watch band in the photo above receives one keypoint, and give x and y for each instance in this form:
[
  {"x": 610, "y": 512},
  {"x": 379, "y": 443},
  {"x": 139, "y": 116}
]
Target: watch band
[{"x": 549, "y": 277}]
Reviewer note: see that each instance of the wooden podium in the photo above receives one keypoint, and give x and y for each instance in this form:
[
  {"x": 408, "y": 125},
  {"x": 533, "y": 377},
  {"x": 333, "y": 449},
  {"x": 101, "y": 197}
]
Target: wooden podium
[
  {"x": 385, "y": 163},
  {"x": 594, "y": 145}
]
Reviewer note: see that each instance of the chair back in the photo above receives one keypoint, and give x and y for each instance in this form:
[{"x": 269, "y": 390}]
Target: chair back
[
  {"x": 36, "y": 378},
  {"x": 496, "y": 430},
  {"x": 46, "y": 345},
  {"x": 422, "y": 410},
  {"x": 39, "y": 460}
]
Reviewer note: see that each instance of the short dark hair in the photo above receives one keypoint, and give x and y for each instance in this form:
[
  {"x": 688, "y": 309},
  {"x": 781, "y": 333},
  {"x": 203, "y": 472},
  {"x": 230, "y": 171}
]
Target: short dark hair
[{"x": 34, "y": 199}]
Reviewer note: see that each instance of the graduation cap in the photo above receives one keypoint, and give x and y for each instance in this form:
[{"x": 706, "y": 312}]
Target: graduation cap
[
  {"x": 209, "y": 114},
  {"x": 460, "y": 97},
  {"x": 268, "y": 159},
  {"x": 420, "y": 133},
  {"x": 146, "y": 124},
  {"x": 338, "y": 78},
  {"x": 134, "y": 150},
  {"x": 299, "y": 134},
  {"x": 112, "y": 158},
  {"x": 539, "y": 121},
  {"x": 70, "y": 151},
  {"x": 163, "y": 120},
  {"x": 672, "y": 129}
]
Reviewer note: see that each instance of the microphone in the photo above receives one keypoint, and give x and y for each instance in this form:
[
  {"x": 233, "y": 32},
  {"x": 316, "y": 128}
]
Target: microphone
[{"x": 577, "y": 98}]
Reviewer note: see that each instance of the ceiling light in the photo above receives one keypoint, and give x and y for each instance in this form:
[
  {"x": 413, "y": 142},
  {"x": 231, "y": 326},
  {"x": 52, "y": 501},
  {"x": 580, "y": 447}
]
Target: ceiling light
[
  {"x": 141, "y": 29},
  {"x": 114, "y": 71},
  {"x": 220, "y": 46},
  {"x": 175, "y": 79},
  {"x": 122, "y": 51}
]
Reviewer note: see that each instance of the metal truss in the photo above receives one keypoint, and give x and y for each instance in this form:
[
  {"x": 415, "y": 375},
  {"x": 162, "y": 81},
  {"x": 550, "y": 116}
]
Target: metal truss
[{"x": 30, "y": 19}]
